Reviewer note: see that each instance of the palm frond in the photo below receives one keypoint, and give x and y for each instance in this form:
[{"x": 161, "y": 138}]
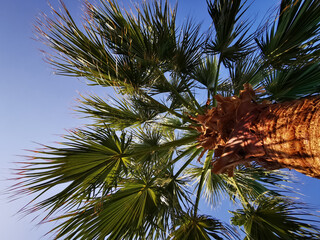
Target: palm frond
[
  {"x": 293, "y": 83},
  {"x": 230, "y": 39},
  {"x": 149, "y": 37},
  {"x": 188, "y": 52},
  {"x": 79, "y": 53},
  {"x": 124, "y": 113},
  {"x": 152, "y": 138},
  {"x": 248, "y": 183},
  {"x": 293, "y": 38},
  {"x": 246, "y": 70},
  {"x": 225, "y": 88},
  {"x": 275, "y": 218},
  {"x": 176, "y": 92},
  {"x": 206, "y": 72},
  {"x": 128, "y": 212},
  {"x": 201, "y": 227},
  {"x": 92, "y": 162}
]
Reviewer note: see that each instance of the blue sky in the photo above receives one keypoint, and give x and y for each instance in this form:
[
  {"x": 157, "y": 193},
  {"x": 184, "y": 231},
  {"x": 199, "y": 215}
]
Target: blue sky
[{"x": 36, "y": 105}]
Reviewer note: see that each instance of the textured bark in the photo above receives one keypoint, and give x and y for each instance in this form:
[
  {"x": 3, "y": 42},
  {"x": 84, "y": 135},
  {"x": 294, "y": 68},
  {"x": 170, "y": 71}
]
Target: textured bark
[
  {"x": 290, "y": 134},
  {"x": 283, "y": 135}
]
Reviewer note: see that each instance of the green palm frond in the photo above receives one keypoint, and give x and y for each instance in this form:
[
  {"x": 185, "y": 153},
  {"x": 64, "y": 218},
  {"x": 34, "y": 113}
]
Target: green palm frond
[
  {"x": 129, "y": 212},
  {"x": 78, "y": 53},
  {"x": 122, "y": 114},
  {"x": 175, "y": 123},
  {"x": 288, "y": 84},
  {"x": 90, "y": 163},
  {"x": 176, "y": 92},
  {"x": 206, "y": 72},
  {"x": 151, "y": 138},
  {"x": 247, "y": 183},
  {"x": 275, "y": 218},
  {"x": 160, "y": 144},
  {"x": 293, "y": 38},
  {"x": 140, "y": 209},
  {"x": 246, "y": 70},
  {"x": 188, "y": 52},
  {"x": 230, "y": 39},
  {"x": 201, "y": 227},
  {"x": 149, "y": 37},
  {"x": 225, "y": 88}
]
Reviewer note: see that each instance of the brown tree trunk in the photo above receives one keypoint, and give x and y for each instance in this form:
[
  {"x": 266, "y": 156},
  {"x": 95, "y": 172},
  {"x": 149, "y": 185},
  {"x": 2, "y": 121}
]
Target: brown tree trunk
[
  {"x": 290, "y": 135},
  {"x": 283, "y": 135}
]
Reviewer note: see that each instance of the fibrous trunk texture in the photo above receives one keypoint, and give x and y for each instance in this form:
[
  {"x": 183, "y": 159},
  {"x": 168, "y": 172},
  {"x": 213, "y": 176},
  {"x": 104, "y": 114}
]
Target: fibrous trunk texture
[{"x": 282, "y": 135}]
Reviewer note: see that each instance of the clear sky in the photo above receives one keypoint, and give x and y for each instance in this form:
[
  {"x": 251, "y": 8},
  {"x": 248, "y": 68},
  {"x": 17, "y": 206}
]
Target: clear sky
[{"x": 36, "y": 105}]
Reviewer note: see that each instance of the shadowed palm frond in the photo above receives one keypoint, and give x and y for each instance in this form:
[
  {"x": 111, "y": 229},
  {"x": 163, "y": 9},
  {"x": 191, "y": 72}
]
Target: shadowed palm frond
[
  {"x": 275, "y": 218},
  {"x": 246, "y": 70},
  {"x": 225, "y": 88},
  {"x": 288, "y": 84},
  {"x": 293, "y": 38},
  {"x": 231, "y": 40},
  {"x": 206, "y": 73},
  {"x": 201, "y": 227}
]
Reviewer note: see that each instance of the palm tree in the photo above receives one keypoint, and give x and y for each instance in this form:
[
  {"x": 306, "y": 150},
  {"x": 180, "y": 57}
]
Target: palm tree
[{"x": 139, "y": 170}]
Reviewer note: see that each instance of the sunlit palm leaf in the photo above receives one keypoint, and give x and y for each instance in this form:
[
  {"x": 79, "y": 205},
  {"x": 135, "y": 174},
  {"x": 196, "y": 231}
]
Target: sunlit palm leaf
[
  {"x": 79, "y": 53},
  {"x": 251, "y": 182},
  {"x": 206, "y": 72},
  {"x": 149, "y": 38},
  {"x": 123, "y": 215},
  {"x": 122, "y": 114},
  {"x": 91, "y": 162}
]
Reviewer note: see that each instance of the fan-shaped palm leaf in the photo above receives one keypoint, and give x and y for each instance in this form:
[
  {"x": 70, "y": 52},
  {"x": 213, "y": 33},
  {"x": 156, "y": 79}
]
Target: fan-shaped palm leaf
[
  {"x": 247, "y": 183},
  {"x": 124, "y": 113},
  {"x": 201, "y": 227},
  {"x": 293, "y": 83},
  {"x": 91, "y": 162},
  {"x": 274, "y": 218},
  {"x": 230, "y": 39},
  {"x": 294, "y": 35}
]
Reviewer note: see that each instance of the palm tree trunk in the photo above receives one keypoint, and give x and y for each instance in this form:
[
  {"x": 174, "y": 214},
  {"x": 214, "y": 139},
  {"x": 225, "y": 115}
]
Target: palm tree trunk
[
  {"x": 282, "y": 135},
  {"x": 290, "y": 135}
]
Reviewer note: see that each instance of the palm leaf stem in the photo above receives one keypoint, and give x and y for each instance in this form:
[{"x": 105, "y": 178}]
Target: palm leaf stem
[
  {"x": 195, "y": 101},
  {"x": 173, "y": 161},
  {"x": 187, "y": 163},
  {"x": 165, "y": 146},
  {"x": 243, "y": 200},
  {"x": 174, "y": 126},
  {"x": 203, "y": 173},
  {"x": 165, "y": 107},
  {"x": 215, "y": 84},
  {"x": 182, "y": 99}
]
